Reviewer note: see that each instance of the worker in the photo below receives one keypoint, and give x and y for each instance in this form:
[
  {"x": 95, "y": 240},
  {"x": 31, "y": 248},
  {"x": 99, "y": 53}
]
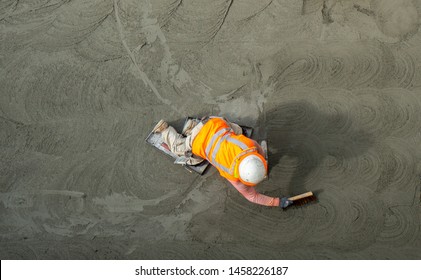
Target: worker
[{"x": 238, "y": 158}]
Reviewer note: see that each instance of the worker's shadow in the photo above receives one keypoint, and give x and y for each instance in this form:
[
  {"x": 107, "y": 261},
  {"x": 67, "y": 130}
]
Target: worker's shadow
[{"x": 307, "y": 135}]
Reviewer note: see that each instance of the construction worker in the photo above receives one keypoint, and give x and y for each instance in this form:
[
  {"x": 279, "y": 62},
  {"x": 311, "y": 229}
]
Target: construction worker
[{"x": 239, "y": 159}]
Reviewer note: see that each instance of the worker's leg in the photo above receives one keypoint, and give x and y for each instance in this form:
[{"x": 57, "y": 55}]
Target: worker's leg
[
  {"x": 180, "y": 145},
  {"x": 192, "y": 135},
  {"x": 193, "y": 160},
  {"x": 175, "y": 141}
]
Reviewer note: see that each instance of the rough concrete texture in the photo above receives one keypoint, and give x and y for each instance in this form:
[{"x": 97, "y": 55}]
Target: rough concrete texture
[{"x": 335, "y": 87}]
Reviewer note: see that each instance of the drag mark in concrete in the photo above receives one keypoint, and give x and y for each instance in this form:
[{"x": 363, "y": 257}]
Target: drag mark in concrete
[
  {"x": 222, "y": 19},
  {"x": 63, "y": 192},
  {"x": 141, "y": 73},
  {"x": 365, "y": 11},
  {"x": 173, "y": 7},
  {"x": 25, "y": 199},
  {"x": 7, "y": 8},
  {"x": 258, "y": 12},
  {"x": 121, "y": 203},
  {"x": 311, "y": 6},
  {"x": 59, "y": 28},
  {"x": 327, "y": 12},
  {"x": 180, "y": 224}
]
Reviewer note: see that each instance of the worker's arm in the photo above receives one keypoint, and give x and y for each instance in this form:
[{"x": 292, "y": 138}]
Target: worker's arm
[{"x": 252, "y": 195}]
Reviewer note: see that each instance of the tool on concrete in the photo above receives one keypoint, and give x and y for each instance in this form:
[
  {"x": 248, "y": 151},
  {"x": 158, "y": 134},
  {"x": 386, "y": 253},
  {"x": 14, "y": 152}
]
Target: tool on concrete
[
  {"x": 298, "y": 200},
  {"x": 264, "y": 145},
  {"x": 155, "y": 140}
]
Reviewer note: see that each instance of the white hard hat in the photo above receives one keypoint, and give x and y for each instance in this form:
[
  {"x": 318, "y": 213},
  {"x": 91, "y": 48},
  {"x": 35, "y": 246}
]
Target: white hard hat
[{"x": 252, "y": 170}]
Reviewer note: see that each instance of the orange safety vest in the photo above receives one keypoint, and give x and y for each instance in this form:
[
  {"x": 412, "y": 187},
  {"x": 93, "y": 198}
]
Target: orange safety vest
[{"x": 217, "y": 143}]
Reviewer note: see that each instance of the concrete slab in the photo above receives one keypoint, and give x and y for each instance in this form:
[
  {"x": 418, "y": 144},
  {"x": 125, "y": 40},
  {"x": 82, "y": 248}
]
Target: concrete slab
[{"x": 334, "y": 86}]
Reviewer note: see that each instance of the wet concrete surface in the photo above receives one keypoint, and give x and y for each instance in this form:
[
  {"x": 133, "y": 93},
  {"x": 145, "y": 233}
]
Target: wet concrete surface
[{"x": 334, "y": 86}]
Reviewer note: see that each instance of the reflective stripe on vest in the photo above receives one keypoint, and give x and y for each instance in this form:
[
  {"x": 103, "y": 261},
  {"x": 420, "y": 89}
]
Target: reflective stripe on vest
[
  {"x": 213, "y": 139},
  {"x": 238, "y": 143},
  {"x": 215, "y": 151},
  {"x": 218, "y": 146}
]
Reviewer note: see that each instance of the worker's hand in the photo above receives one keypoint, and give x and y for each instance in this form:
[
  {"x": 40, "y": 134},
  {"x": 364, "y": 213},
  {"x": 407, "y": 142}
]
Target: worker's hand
[{"x": 285, "y": 202}]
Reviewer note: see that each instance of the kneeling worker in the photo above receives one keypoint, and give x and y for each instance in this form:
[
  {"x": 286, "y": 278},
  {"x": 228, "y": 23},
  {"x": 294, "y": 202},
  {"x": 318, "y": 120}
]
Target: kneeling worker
[{"x": 238, "y": 158}]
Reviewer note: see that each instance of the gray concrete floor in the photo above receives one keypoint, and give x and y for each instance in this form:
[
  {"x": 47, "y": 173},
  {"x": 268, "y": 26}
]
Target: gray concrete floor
[{"x": 334, "y": 86}]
